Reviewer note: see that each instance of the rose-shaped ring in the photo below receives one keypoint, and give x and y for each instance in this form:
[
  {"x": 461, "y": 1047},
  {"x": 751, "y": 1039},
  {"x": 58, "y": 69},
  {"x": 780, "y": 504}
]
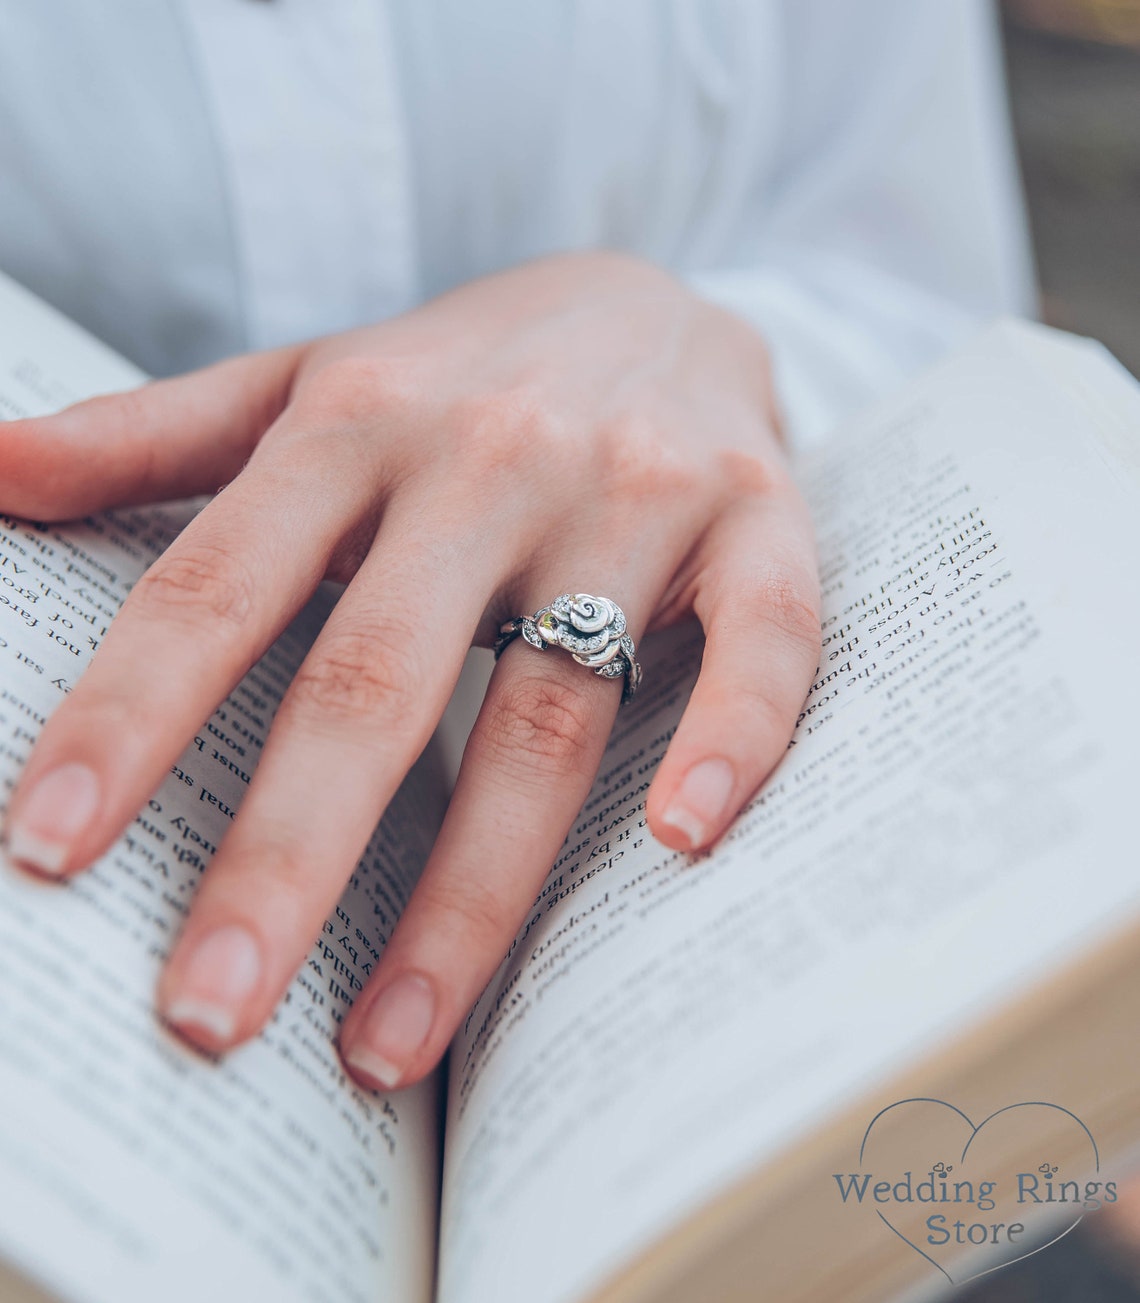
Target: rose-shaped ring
[{"x": 591, "y": 629}]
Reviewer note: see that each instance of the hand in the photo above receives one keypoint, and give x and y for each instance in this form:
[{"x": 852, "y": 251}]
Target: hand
[{"x": 583, "y": 422}]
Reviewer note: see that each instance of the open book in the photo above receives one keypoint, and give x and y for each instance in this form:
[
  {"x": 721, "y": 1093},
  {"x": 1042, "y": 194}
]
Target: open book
[{"x": 687, "y": 1078}]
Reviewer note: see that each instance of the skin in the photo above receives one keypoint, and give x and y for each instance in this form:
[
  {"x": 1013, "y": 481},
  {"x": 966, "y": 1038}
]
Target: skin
[{"x": 583, "y": 422}]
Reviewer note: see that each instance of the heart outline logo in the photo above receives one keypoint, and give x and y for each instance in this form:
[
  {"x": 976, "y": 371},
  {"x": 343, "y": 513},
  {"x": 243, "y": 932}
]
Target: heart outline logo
[{"x": 975, "y": 1130}]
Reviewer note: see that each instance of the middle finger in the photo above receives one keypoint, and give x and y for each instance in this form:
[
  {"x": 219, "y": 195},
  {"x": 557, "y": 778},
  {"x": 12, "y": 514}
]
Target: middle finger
[{"x": 359, "y": 711}]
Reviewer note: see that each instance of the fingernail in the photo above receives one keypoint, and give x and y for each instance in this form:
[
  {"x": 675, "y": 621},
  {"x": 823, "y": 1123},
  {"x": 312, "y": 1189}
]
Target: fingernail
[
  {"x": 52, "y": 816},
  {"x": 700, "y": 804},
  {"x": 220, "y": 975},
  {"x": 394, "y": 1030}
]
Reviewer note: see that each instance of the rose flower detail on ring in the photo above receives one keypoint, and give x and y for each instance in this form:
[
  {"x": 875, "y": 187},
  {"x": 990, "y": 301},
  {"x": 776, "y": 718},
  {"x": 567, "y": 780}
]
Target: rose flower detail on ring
[{"x": 592, "y": 630}]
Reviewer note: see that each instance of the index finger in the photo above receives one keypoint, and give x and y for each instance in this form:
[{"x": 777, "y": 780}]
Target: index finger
[
  {"x": 191, "y": 628},
  {"x": 169, "y": 439}
]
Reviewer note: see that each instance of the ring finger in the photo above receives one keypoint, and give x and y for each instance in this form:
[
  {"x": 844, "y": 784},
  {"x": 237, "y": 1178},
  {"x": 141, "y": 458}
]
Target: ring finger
[{"x": 528, "y": 767}]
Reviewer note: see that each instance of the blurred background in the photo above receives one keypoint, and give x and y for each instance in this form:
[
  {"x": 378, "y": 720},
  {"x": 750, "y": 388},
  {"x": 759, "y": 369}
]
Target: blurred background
[
  {"x": 1073, "y": 68},
  {"x": 1074, "y": 80}
]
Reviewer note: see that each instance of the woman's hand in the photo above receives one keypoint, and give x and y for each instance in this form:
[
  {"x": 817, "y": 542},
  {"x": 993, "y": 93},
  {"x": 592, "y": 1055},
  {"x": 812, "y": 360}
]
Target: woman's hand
[{"x": 580, "y": 423}]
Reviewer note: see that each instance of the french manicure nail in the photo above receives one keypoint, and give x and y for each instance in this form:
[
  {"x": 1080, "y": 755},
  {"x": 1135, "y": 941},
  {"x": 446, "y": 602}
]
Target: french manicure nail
[
  {"x": 394, "y": 1029},
  {"x": 52, "y": 817},
  {"x": 700, "y": 804},
  {"x": 222, "y": 972}
]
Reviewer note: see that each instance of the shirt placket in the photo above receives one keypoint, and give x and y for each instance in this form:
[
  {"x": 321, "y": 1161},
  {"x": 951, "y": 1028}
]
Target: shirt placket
[{"x": 309, "y": 127}]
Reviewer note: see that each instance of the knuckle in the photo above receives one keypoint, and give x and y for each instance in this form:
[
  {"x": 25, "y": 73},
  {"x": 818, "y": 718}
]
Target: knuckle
[
  {"x": 196, "y": 580},
  {"x": 128, "y": 408},
  {"x": 95, "y": 710},
  {"x": 767, "y": 716},
  {"x": 351, "y": 389},
  {"x": 791, "y": 604},
  {"x": 358, "y": 672},
  {"x": 541, "y": 722},
  {"x": 751, "y": 476},
  {"x": 636, "y": 463},
  {"x": 475, "y": 912},
  {"x": 506, "y": 428},
  {"x": 277, "y": 859}
]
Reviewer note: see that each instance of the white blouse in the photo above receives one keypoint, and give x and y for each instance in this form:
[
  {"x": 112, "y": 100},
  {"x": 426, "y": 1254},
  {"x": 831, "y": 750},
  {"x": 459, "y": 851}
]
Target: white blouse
[{"x": 191, "y": 178}]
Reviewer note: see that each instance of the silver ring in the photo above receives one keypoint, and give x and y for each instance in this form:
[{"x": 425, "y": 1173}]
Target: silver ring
[{"x": 591, "y": 629}]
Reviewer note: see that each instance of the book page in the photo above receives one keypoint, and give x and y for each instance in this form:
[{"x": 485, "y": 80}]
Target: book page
[
  {"x": 1100, "y": 383},
  {"x": 132, "y": 1168},
  {"x": 951, "y": 822}
]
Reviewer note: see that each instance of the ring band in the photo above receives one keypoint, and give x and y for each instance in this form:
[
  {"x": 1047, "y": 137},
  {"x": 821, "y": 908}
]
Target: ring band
[{"x": 591, "y": 629}]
